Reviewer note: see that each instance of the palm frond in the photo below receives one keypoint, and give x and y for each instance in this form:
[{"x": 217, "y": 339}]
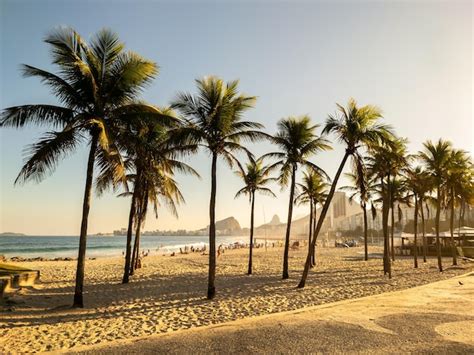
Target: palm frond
[{"x": 44, "y": 155}]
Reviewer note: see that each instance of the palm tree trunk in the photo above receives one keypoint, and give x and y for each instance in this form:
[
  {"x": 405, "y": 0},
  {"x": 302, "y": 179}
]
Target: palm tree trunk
[
  {"x": 288, "y": 224},
  {"x": 366, "y": 248},
  {"x": 128, "y": 248},
  {"x": 321, "y": 219},
  {"x": 423, "y": 231},
  {"x": 415, "y": 220},
  {"x": 313, "y": 252},
  {"x": 451, "y": 228},
  {"x": 140, "y": 213},
  {"x": 392, "y": 228},
  {"x": 310, "y": 233},
  {"x": 136, "y": 264},
  {"x": 251, "y": 232},
  {"x": 81, "y": 258},
  {"x": 385, "y": 215},
  {"x": 211, "y": 289},
  {"x": 438, "y": 213},
  {"x": 459, "y": 219},
  {"x": 384, "y": 227},
  {"x": 133, "y": 263}
]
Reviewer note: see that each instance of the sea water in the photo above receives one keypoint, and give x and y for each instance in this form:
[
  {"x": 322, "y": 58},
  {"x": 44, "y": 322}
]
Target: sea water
[{"x": 67, "y": 246}]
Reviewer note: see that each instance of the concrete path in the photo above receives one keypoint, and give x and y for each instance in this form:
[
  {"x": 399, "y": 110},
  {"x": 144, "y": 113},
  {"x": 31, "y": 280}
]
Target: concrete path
[{"x": 435, "y": 318}]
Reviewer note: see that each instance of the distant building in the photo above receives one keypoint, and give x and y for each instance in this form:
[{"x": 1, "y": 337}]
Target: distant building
[
  {"x": 342, "y": 213},
  {"x": 121, "y": 231}
]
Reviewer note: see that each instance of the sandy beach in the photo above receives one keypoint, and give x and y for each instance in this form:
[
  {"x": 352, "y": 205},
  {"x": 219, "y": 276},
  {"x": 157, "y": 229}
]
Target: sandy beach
[
  {"x": 437, "y": 318},
  {"x": 168, "y": 294}
]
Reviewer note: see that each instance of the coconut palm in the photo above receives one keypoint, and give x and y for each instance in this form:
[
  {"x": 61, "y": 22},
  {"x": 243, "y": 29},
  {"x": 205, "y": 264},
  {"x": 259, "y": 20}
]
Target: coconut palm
[
  {"x": 256, "y": 178},
  {"x": 96, "y": 87},
  {"x": 384, "y": 163},
  {"x": 424, "y": 190},
  {"x": 416, "y": 184},
  {"x": 213, "y": 120},
  {"x": 362, "y": 188},
  {"x": 465, "y": 192},
  {"x": 153, "y": 162},
  {"x": 458, "y": 167},
  {"x": 312, "y": 191},
  {"x": 398, "y": 196},
  {"x": 357, "y": 127},
  {"x": 435, "y": 157},
  {"x": 160, "y": 188},
  {"x": 297, "y": 140},
  {"x": 379, "y": 168},
  {"x": 394, "y": 160}
]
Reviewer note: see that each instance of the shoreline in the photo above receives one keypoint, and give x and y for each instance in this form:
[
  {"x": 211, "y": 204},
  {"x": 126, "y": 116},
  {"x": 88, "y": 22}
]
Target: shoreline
[{"x": 168, "y": 294}]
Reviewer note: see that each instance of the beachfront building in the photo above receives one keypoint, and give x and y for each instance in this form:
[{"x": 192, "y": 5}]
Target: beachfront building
[{"x": 342, "y": 213}]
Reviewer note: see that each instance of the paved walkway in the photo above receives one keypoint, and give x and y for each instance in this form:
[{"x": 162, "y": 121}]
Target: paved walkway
[{"x": 435, "y": 318}]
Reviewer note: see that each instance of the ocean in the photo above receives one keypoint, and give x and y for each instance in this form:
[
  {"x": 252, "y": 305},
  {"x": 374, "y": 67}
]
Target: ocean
[{"x": 67, "y": 246}]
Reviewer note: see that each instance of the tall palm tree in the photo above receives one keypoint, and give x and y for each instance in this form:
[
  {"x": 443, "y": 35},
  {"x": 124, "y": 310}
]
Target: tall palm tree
[
  {"x": 213, "y": 120},
  {"x": 458, "y": 167},
  {"x": 415, "y": 182},
  {"x": 312, "y": 191},
  {"x": 357, "y": 127},
  {"x": 465, "y": 192},
  {"x": 385, "y": 163},
  {"x": 153, "y": 162},
  {"x": 297, "y": 140},
  {"x": 398, "y": 196},
  {"x": 379, "y": 168},
  {"x": 96, "y": 87},
  {"x": 255, "y": 177},
  {"x": 160, "y": 189},
  {"x": 424, "y": 189},
  {"x": 363, "y": 188},
  {"x": 435, "y": 157}
]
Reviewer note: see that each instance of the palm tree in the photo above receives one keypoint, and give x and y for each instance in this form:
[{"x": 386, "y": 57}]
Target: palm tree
[
  {"x": 415, "y": 182},
  {"x": 424, "y": 189},
  {"x": 385, "y": 162},
  {"x": 160, "y": 189},
  {"x": 313, "y": 190},
  {"x": 363, "y": 188},
  {"x": 397, "y": 196},
  {"x": 297, "y": 140},
  {"x": 436, "y": 157},
  {"x": 256, "y": 178},
  {"x": 379, "y": 168},
  {"x": 465, "y": 192},
  {"x": 458, "y": 167},
  {"x": 356, "y": 127},
  {"x": 96, "y": 86},
  {"x": 213, "y": 120},
  {"x": 153, "y": 162}
]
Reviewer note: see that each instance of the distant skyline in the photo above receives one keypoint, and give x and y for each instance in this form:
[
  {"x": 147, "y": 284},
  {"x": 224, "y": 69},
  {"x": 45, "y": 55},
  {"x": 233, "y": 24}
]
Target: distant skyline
[{"x": 411, "y": 58}]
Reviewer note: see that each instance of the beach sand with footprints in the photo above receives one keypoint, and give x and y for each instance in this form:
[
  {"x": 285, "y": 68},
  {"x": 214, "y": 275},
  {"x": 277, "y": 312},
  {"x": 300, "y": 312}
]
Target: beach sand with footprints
[{"x": 168, "y": 294}]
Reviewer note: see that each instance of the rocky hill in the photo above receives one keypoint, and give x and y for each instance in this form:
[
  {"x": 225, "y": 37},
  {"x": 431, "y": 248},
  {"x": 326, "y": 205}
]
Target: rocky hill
[{"x": 226, "y": 226}]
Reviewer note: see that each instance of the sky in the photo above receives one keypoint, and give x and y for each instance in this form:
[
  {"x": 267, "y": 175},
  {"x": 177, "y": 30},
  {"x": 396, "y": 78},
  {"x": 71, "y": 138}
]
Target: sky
[{"x": 411, "y": 58}]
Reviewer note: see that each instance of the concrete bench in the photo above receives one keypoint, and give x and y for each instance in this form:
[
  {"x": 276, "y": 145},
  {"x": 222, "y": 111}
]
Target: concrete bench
[{"x": 12, "y": 277}]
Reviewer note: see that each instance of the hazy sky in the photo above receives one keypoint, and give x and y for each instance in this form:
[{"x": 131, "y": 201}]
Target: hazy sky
[{"x": 411, "y": 58}]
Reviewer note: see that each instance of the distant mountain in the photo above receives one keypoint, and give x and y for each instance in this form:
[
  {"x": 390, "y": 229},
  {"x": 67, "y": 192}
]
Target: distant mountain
[
  {"x": 11, "y": 234},
  {"x": 229, "y": 223},
  {"x": 275, "y": 220},
  {"x": 226, "y": 226}
]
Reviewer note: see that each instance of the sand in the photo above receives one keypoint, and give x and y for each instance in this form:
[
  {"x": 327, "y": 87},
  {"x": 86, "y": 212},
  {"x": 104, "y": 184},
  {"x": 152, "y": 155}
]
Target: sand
[
  {"x": 437, "y": 318},
  {"x": 168, "y": 294}
]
